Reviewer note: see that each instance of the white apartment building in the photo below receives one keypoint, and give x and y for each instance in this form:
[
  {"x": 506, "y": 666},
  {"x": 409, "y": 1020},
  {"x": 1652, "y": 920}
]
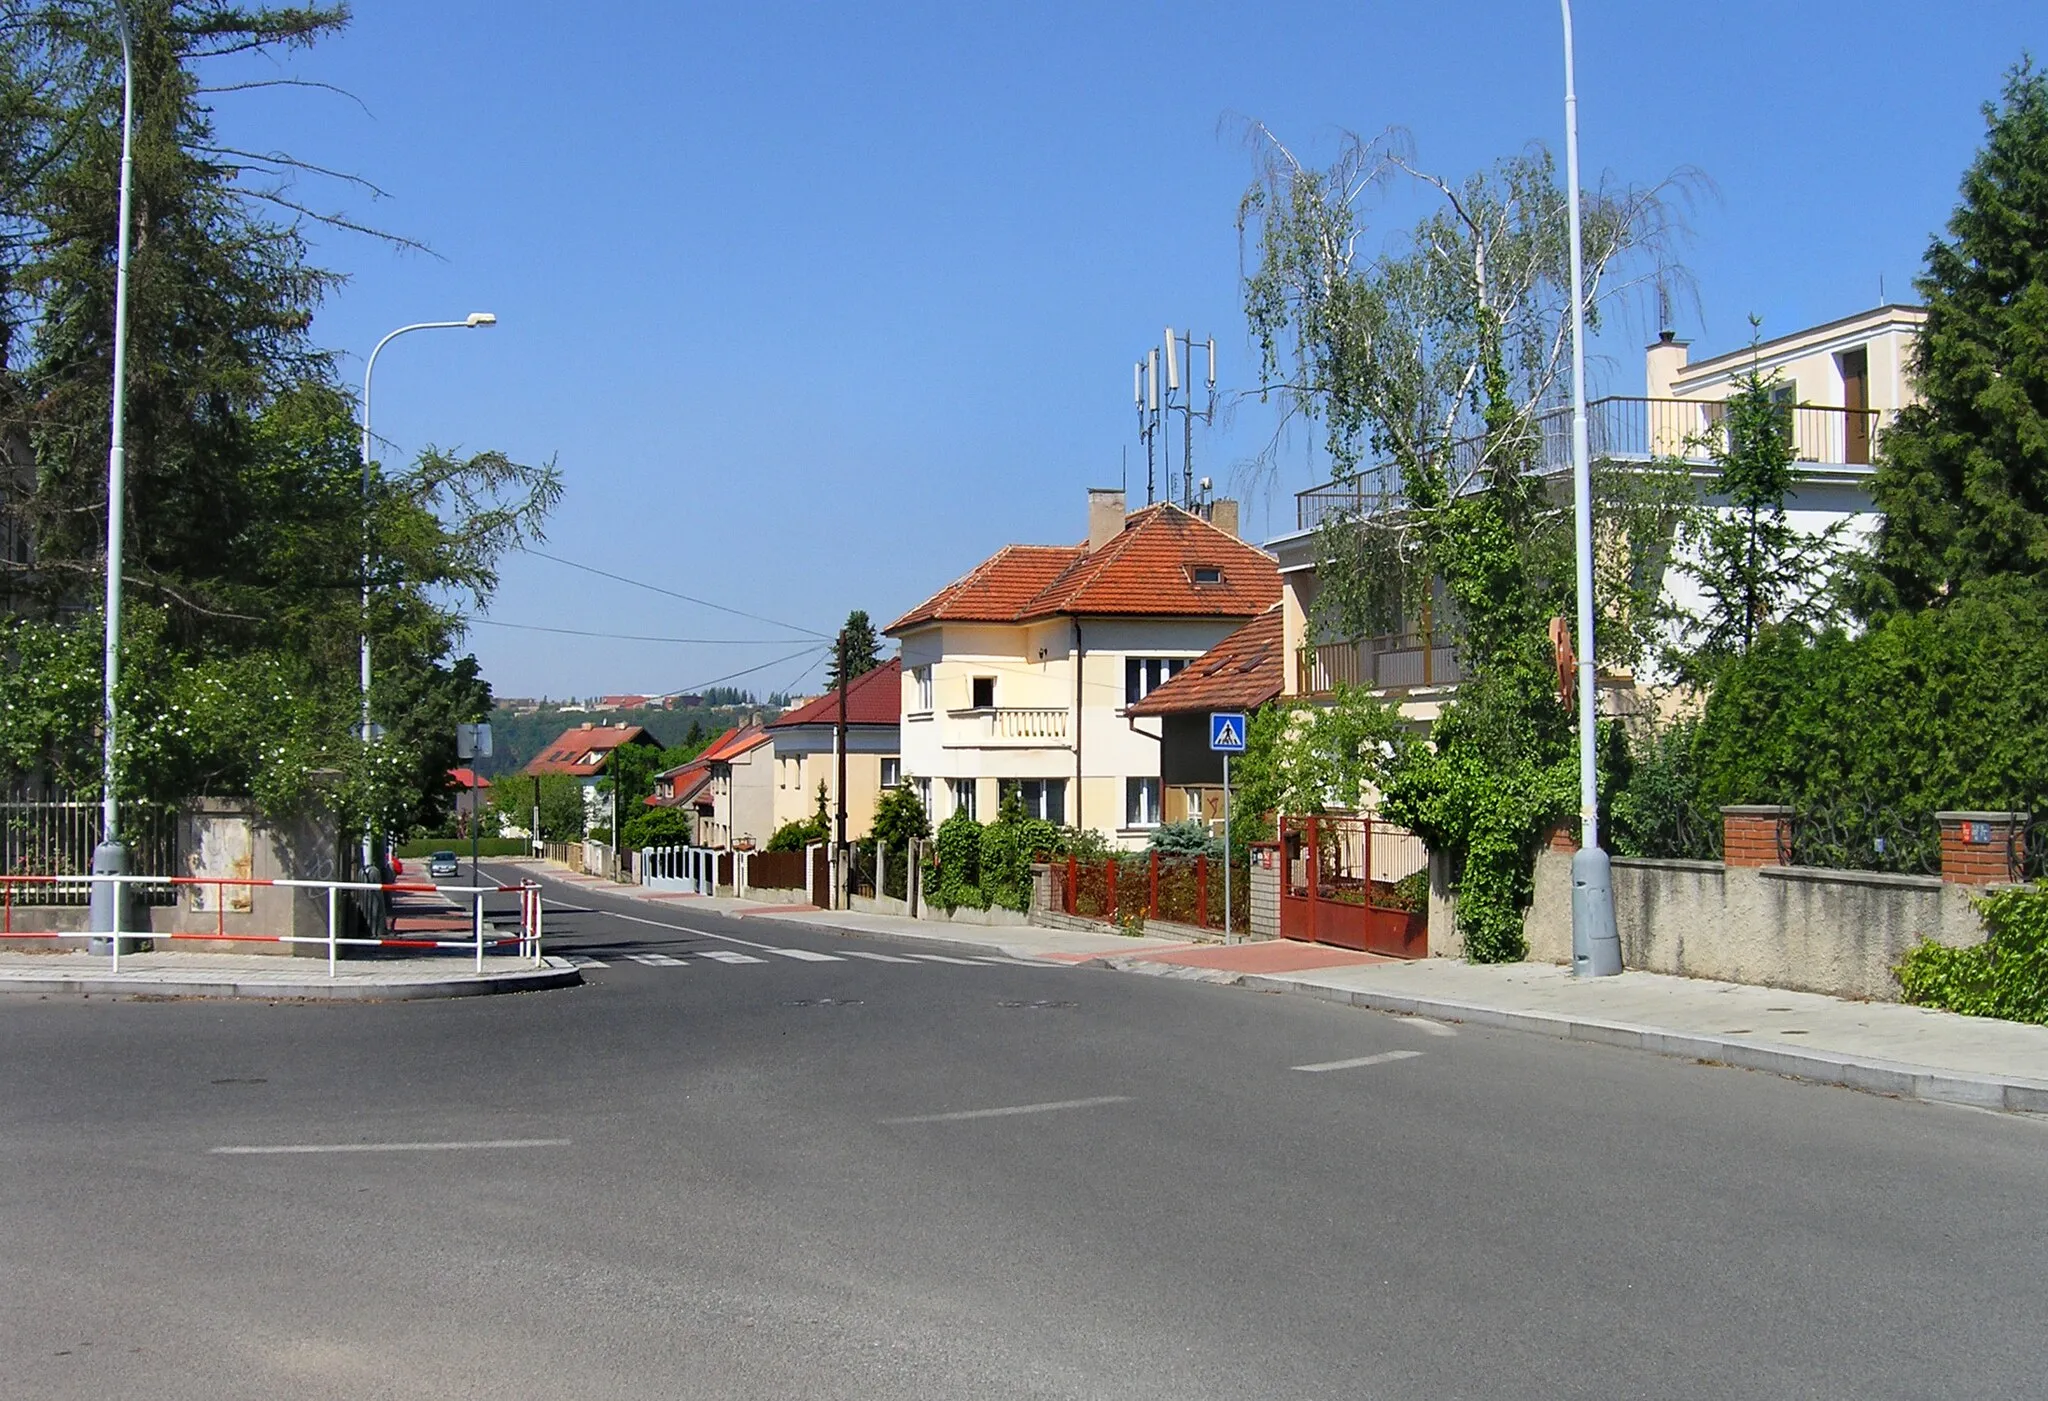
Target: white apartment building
[{"x": 1019, "y": 673}]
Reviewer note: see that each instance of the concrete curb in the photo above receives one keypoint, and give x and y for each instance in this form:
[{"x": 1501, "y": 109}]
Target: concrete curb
[
  {"x": 953, "y": 941},
  {"x": 558, "y": 973},
  {"x": 2008, "y": 1095}
]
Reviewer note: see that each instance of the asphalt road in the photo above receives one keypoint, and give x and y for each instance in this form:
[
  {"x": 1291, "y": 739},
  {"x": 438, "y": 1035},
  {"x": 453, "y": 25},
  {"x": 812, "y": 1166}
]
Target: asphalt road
[{"x": 699, "y": 1176}]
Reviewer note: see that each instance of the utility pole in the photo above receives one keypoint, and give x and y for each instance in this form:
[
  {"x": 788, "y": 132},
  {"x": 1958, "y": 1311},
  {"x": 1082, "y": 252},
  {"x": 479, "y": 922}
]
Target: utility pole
[{"x": 839, "y": 864}]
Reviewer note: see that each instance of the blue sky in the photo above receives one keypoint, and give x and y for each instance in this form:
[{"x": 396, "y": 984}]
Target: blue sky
[{"x": 819, "y": 305}]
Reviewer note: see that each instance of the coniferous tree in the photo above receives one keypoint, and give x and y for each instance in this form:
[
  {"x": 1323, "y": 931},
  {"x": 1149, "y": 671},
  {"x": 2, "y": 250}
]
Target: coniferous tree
[
  {"x": 863, "y": 649},
  {"x": 1962, "y": 476}
]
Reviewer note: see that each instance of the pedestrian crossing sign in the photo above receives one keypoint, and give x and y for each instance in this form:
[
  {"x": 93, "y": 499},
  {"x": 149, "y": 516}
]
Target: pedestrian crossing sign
[{"x": 1226, "y": 731}]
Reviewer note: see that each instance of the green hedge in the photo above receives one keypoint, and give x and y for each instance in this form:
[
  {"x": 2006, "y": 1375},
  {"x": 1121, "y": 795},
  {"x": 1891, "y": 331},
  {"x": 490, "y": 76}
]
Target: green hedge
[
  {"x": 2005, "y": 976},
  {"x": 486, "y": 846}
]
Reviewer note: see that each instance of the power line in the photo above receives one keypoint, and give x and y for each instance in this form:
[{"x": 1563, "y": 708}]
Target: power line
[
  {"x": 634, "y": 636},
  {"x": 749, "y": 671},
  {"x": 687, "y": 598}
]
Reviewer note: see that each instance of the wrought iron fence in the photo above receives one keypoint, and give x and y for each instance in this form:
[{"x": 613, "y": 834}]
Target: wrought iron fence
[
  {"x": 1852, "y": 836},
  {"x": 1675, "y": 832},
  {"x": 55, "y": 837}
]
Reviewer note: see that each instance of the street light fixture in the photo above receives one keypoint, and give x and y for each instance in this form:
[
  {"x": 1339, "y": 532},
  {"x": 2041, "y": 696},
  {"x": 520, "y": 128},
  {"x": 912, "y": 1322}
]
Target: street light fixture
[
  {"x": 1596, "y": 947},
  {"x": 110, "y": 857},
  {"x": 470, "y": 322}
]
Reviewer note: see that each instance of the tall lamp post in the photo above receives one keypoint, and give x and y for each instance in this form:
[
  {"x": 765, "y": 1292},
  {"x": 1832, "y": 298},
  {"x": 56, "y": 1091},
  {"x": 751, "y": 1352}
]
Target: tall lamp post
[
  {"x": 1596, "y": 947},
  {"x": 469, "y": 322},
  {"x": 110, "y": 858}
]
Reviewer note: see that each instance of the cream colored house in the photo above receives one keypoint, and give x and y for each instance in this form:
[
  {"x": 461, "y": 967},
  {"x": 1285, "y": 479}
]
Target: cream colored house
[
  {"x": 806, "y": 742},
  {"x": 1021, "y": 672},
  {"x": 1841, "y": 384},
  {"x": 742, "y": 792}
]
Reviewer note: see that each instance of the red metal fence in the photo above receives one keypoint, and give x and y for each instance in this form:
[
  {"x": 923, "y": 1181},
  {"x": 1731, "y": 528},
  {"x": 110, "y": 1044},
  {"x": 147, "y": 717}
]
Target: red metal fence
[
  {"x": 1172, "y": 889},
  {"x": 1349, "y": 879}
]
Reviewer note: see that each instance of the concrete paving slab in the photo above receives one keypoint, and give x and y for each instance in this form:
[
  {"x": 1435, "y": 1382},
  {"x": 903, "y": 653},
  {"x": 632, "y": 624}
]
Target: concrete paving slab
[{"x": 280, "y": 979}]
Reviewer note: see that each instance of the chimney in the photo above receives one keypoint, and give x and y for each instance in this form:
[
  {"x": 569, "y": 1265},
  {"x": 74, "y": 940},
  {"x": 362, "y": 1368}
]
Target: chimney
[
  {"x": 1662, "y": 364},
  {"x": 1223, "y": 515},
  {"x": 1105, "y": 515}
]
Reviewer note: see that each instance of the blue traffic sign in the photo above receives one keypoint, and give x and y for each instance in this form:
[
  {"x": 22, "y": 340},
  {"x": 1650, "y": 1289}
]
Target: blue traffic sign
[{"x": 1227, "y": 731}]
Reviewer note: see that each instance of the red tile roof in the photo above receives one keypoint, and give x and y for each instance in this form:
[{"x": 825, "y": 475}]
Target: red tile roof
[
  {"x": 734, "y": 743},
  {"x": 1242, "y": 672},
  {"x": 467, "y": 777},
  {"x": 1147, "y": 570},
  {"x": 583, "y": 750},
  {"x": 872, "y": 698}
]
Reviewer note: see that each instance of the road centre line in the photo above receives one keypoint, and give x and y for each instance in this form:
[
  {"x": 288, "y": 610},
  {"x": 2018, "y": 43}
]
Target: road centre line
[
  {"x": 1009, "y": 1110},
  {"x": 266, "y": 1148},
  {"x": 1357, "y": 1061}
]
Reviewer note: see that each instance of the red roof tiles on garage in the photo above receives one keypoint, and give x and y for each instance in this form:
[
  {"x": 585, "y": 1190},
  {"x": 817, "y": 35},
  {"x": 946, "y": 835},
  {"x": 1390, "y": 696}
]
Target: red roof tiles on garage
[{"x": 1242, "y": 672}]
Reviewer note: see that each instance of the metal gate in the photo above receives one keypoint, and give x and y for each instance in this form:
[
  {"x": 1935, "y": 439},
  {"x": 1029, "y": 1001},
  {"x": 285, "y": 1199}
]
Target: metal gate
[{"x": 1348, "y": 879}]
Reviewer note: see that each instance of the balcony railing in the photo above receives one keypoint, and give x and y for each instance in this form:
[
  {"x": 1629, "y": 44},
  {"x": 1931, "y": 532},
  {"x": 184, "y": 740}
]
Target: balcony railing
[
  {"x": 1618, "y": 428},
  {"x": 1395, "y": 662},
  {"x": 1022, "y": 726}
]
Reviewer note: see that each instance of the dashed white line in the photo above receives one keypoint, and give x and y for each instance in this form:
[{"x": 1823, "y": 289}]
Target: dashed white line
[
  {"x": 1357, "y": 1061},
  {"x": 1434, "y": 1028},
  {"x": 662, "y": 960},
  {"x": 1006, "y": 1111},
  {"x": 268, "y": 1148},
  {"x": 729, "y": 956},
  {"x": 879, "y": 957},
  {"x": 809, "y": 956},
  {"x": 948, "y": 958},
  {"x": 580, "y": 960}
]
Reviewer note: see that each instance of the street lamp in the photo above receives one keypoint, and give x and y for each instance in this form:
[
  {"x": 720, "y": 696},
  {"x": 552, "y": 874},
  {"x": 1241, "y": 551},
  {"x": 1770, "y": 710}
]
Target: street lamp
[
  {"x": 467, "y": 323},
  {"x": 1596, "y": 947},
  {"x": 110, "y": 858}
]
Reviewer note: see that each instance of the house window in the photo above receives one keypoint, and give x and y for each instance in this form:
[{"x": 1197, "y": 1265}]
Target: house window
[
  {"x": 963, "y": 794},
  {"x": 892, "y": 771},
  {"x": 1042, "y": 797},
  {"x": 1141, "y": 802},
  {"x": 984, "y": 693},
  {"x": 921, "y": 684},
  {"x": 1196, "y": 806},
  {"x": 924, "y": 794},
  {"x": 1207, "y": 575},
  {"x": 1144, "y": 675}
]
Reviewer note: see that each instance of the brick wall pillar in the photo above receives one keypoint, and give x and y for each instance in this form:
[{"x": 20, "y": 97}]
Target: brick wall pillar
[
  {"x": 1978, "y": 848},
  {"x": 1755, "y": 836},
  {"x": 1564, "y": 837}
]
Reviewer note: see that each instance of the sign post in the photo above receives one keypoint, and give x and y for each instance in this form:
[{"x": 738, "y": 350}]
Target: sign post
[
  {"x": 1227, "y": 737},
  {"x": 473, "y": 742}
]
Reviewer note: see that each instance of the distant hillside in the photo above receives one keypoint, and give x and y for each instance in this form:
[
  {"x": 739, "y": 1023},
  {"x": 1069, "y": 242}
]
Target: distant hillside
[{"x": 515, "y": 739}]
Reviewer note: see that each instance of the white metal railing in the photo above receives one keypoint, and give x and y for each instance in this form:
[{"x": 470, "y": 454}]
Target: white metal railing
[
  {"x": 686, "y": 870},
  {"x": 482, "y": 936}
]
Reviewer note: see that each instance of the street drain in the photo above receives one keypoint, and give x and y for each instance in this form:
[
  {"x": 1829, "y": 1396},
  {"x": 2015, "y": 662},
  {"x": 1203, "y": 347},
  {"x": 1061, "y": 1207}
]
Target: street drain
[
  {"x": 1035, "y": 1005},
  {"x": 823, "y": 1002}
]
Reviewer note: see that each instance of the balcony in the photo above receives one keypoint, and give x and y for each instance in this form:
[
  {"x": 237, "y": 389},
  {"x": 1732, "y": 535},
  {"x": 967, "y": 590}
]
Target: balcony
[
  {"x": 1619, "y": 429},
  {"x": 1006, "y": 727},
  {"x": 1394, "y": 662}
]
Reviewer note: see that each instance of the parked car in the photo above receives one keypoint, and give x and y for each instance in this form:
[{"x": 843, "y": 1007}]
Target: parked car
[{"x": 443, "y": 863}]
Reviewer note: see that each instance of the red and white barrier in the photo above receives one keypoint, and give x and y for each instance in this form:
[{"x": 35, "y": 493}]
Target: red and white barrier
[{"x": 527, "y": 939}]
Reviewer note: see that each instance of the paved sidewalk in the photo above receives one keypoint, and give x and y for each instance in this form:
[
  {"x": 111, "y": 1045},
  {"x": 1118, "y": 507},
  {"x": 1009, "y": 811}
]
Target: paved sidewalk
[{"x": 280, "y": 979}]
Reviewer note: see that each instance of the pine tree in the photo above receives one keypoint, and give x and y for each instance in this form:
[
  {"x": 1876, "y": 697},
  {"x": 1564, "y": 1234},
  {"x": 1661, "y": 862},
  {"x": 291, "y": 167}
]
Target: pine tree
[
  {"x": 863, "y": 649},
  {"x": 1962, "y": 476}
]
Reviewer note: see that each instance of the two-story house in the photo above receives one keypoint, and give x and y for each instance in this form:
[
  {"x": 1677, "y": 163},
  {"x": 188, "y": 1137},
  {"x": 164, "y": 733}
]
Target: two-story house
[
  {"x": 584, "y": 752},
  {"x": 1840, "y": 383},
  {"x": 1019, "y": 675},
  {"x": 806, "y": 743}
]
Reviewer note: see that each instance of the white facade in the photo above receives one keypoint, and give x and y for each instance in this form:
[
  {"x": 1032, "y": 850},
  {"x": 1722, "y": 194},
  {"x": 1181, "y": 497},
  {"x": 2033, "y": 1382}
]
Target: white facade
[{"x": 986, "y": 702}]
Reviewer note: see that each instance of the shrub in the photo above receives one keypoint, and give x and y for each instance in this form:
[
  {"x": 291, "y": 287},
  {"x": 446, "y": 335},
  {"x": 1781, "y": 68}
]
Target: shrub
[
  {"x": 959, "y": 864},
  {"x": 795, "y": 836},
  {"x": 2005, "y": 976},
  {"x": 899, "y": 816},
  {"x": 1190, "y": 837}
]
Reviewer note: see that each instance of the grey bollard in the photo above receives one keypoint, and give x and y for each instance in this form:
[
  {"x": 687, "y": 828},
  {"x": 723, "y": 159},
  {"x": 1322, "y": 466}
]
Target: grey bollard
[{"x": 1596, "y": 946}]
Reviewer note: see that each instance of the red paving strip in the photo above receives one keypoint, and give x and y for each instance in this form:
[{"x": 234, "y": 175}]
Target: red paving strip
[{"x": 1266, "y": 956}]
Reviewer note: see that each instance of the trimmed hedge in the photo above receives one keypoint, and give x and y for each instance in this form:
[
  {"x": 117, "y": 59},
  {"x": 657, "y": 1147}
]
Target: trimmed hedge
[{"x": 486, "y": 846}]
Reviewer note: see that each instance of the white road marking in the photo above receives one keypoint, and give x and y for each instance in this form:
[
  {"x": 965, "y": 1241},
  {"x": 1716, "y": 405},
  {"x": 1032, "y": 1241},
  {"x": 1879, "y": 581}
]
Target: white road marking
[
  {"x": 1022, "y": 962},
  {"x": 580, "y": 960},
  {"x": 948, "y": 958},
  {"x": 656, "y": 960},
  {"x": 1434, "y": 1028},
  {"x": 879, "y": 957},
  {"x": 809, "y": 956},
  {"x": 1381, "y": 1059},
  {"x": 266, "y": 1148},
  {"x": 1008, "y": 1110},
  {"x": 729, "y": 956}
]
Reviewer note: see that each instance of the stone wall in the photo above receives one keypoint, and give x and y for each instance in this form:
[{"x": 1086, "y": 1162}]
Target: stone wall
[{"x": 1834, "y": 932}]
